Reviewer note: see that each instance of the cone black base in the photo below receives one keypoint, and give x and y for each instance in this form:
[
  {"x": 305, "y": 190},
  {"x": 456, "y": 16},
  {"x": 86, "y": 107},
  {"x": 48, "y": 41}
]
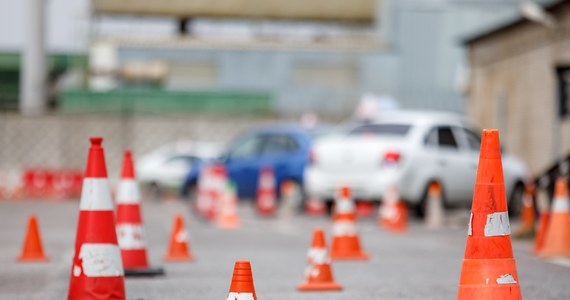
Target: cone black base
[{"x": 147, "y": 272}]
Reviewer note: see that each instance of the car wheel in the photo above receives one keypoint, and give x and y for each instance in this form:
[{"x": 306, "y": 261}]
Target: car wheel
[{"x": 515, "y": 202}]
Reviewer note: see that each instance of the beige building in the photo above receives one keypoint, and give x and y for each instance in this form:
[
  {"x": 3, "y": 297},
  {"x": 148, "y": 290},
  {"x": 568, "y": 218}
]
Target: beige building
[{"x": 519, "y": 73}]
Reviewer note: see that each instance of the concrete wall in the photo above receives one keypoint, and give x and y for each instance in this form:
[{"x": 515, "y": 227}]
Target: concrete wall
[
  {"x": 63, "y": 141},
  {"x": 513, "y": 88}
]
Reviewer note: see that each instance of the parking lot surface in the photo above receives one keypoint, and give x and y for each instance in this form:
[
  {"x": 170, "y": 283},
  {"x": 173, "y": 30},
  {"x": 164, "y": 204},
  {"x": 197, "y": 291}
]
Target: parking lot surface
[{"x": 420, "y": 264}]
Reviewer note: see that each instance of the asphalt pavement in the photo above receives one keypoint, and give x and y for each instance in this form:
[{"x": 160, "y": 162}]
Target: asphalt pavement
[{"x": 420, "y": 264}]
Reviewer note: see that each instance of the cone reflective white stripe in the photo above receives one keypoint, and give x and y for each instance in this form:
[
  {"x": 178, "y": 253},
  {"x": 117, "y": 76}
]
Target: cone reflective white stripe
[
  {"x": 560, "y": 205},
  {"x": 131, "y": 236},
  {"x": 128, "y": 192},
  {"x": 96, "y": 195},
  {"x": 345, "y": 206},
  {"x": 344, "y": 228},
  {"x": 240, "y": 296},
  {"x": 99, "y": 260}
]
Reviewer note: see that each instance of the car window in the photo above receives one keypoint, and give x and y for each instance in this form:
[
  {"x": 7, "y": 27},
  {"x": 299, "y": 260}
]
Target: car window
[
  {"x": 445, "y": 137},
  {"x": 246, "y": 147},
  {"x": 279, "y": 143},
  {"x": 473, "y": 139},
  {"x": 381, "y": 129}
]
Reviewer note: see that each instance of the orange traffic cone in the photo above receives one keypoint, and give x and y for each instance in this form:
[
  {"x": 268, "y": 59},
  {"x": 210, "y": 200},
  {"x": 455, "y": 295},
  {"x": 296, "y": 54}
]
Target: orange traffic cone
[
  {"x": 242, "y": 287},
  {"x": 319, "y": 275},
  {"x": 528, "y": 218},
  {"x": 435, "y": 213},
  {"x": 32, "y": 249},
  {"x": 266, "y": 200},
  {"x": 542, "y": 203},
  {"x": 346, "y": 241},
  {"x": 178, "y": 249},
  {"x": 211, "y": 187},
  {"x": 130, "y": 231},
  {"x": 228, "y": 216},
  {"x": 489, "y": 269},
  {"x": 557, "y": 239},
  {"x": 393, "y": 212},
  {"x": 97, "y": 271}
]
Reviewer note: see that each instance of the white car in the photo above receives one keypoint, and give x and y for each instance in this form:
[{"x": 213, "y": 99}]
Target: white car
[
  {"x": 166, "y": 167},
  {"x": 410, "y": 150}
]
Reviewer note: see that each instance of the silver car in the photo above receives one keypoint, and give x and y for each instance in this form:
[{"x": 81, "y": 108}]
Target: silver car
[{"x": 409, "y": 149}]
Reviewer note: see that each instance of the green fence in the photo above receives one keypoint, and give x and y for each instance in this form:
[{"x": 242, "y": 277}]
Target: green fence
[{"x": 161, "y": 101}]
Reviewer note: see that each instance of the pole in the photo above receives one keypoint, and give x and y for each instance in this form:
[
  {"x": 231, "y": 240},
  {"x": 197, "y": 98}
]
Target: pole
[{"x": 33, "y": 62}]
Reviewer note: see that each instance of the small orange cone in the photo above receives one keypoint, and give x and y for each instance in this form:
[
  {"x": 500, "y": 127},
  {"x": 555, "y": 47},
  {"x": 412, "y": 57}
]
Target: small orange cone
[
  {"x": 227, "y": 216},
  {"x": 97, "y": 270},
  {"x": 542, "y": 203},
  {"x": 178, "y": 249},
  {"x": 528, "y": 218},
  {"x": 557, "y": 239},
  {"x": 319, "y": 275},
  {"x": 266, "y": 200},
  {"x": 315, "y": 207},
  {"x": 393, "y": 212},
  {"x": 489, "y": 269},
  {"x": 32, "y": 250},
  {"x": 346, "y": 241},
  {"x": 435, "y": 213},
  {"x": 242, "y": 287}
]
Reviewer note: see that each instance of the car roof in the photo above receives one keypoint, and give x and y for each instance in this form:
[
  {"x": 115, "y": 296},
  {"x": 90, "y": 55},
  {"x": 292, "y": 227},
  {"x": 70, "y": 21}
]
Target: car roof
[
  {"x": 416, "y": 116},
  {"x": 278, "y": 127}
]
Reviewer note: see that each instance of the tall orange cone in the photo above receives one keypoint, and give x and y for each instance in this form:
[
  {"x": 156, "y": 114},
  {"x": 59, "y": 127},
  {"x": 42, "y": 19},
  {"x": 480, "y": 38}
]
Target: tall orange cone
[
  {"x": 178, "y": 249},
  {"x": 32, "y": 250},
  {"x": 489, "y": 269},
  {"x": 435, "y": 213},
  {"x": 557, "y": 240},
  {"x": 528, "y": 218},
  {"x": 393, "y": 212},
  {"x": 97, "y": 271},
  {"x": 266, "y": 200},
  {"x": 543, "y": 207},
  {"x": 130, "y": 231},
  {"x": 242, "y": 287},
  {"x": 228, "y": 216},
  {"x": 346, "y": 241},
  {"x": 319, "y": 275}
]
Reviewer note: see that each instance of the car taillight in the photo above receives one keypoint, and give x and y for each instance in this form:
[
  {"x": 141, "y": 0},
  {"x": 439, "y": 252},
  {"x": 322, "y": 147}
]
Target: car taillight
[{"x": 391, "y": 158}]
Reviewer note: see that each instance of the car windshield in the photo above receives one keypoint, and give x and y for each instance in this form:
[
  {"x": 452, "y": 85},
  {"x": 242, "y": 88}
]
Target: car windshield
[{"x": 381, "y": 129}]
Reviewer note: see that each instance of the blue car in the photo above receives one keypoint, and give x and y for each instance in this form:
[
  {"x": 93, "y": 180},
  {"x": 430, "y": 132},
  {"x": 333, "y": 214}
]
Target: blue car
[{"x": 284, "y": 147}]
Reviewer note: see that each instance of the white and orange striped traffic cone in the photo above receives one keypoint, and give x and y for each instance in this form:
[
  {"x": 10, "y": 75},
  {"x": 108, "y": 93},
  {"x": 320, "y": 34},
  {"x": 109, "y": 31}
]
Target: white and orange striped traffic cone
[
  {"x": 319, "y": 273},
  {"x": 393, "y": 213},
  {"x": 266, "y": 200},
  {"x": 557, "y": 239},
  {"x": 130, "y": 231},
  {"x": 228, "y": 216},
  {"x": 346, "y": 240},
  {"x": 97, "y": 270}
]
